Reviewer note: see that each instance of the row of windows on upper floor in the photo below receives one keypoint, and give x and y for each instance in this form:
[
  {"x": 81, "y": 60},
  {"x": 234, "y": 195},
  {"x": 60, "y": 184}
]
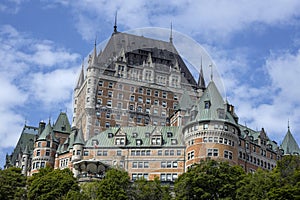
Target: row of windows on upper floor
[
  {"x": 247, "y": 145},
  {"x": 39, "y": 144},
  {"x": 206, "y": 126},
  {"x": 256, "y": 161},
  {"x": 212, "y": 152},
  {"x": 38, "y": 165},
  {"x": 120, "y": 95},
  {"x": 166, "y": 152},
  {"x": 38, "y": 153},
  {"x": 256, "y": 149},
  {"x": 140, "y": 90},
  {"x": 163, "y": 176}
]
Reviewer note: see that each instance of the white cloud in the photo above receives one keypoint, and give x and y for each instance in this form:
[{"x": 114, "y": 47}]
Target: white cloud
[
  {"x": 32, "y": 72},
  {"x": 211, "y": 19}
]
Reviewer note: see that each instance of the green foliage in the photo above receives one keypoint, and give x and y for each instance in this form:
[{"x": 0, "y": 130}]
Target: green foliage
[
  {"x": 147, "y": 190},
  {"x": 209, "y": 180},
  {"x": 115, "y": 185},
  {"x": 12, "y": 184},
  {"x": 52, "y": 184}
]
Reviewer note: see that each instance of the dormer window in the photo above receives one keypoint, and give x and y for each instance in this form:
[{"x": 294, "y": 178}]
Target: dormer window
[
  {"x": 221, "y": 113},
  {"x": 139, "y": 142},
  {"x": 169, "y": 134},
  {"x": 134, "y": 135},
  {"x": 110, "y": 135},
  {"x": 156, "y": 141},
  {"x": 207, "y": 104},
  {"x": 147, "y": 134},
  {"x": 173, "y": 141}
]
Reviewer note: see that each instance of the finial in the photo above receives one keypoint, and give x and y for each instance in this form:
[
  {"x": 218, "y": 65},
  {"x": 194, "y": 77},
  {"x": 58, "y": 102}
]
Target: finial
[
  {"x": 211, "y": 72},
  {"x": 288, "y": 124},
  {"x": 171, "y": 34},
  {"x": 115, "y": 26}
]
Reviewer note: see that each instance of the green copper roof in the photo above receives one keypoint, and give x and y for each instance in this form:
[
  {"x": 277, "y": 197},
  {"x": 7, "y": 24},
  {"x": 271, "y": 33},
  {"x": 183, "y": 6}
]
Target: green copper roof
[
  {"x": 25, "y": 143},
  {"x": 211, "y": 106},
  {"x": 79, "y": 137},
  {"x": 289, "y": 144},
  {"x": 48, "y": 131},
  {"x": 62, "y": 124},
  {"x": 185, "y": 102},
  {"x": 171, "y": 136}
]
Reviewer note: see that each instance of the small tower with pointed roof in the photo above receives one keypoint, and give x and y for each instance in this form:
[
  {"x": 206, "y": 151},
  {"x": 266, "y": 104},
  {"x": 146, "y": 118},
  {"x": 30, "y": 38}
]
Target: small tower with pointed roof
[
  {"x": 289, "y": 144},
  {"x": 44, "y": 149},
  {"x": 78, "y": 146}
]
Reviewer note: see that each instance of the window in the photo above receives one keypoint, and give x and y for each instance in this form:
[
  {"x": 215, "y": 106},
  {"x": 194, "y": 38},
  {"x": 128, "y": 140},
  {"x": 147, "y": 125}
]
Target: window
[
  {"x": 119, "y": 152},
  {"x": 134, "y": 165},
  {"x": 110, "y": 94},
  {"x": 140, "y": 99},
  {"x": 164, "y": 104},
  {"x": 175, "y": 97},
  {"x": 212, "y": 152},
  {"x": 107, "y": 124},
  {"x": 228, "y": 154},
  {"x": 132, "y": 98},
  {"x": 156, "y": 93},
  {"x": 140, "y": 164},
  {"x": 141, "y": 90},
  {"x": 104, "y": 153},
  {"x": 138, "y": 142},
  {"x": 100, "y": 83},
  {"x": 85, "y": 153},
  {"x": 100, "y": 92},
  {"x": 108, "y": 104},
  {"x": 164, "y": 95},
  {"x": 159, "y": 152},
  {"x": 38, "y": 152},
  {"x": 166, "y": 152},
  {"x": 207, "y": 104},
  {"x": 156, "y": 102},
  {"x": 191, "y": 155},
  {"x": 78, "y": 153},
  {"x": 119, "y": 105},
  {"x": 163, "y": 164},
  {"x": 110, "y": 85},
  {"x": 148, "y": 101},
  {"x": 205, "y": 126},
  {"x": 172, "y": 152},
  {"x": 178, "y": 152},
  {"x": 148, "y": 92},
  {"x": 120, "y": 96},
  {"x": 173, "y": 141},
  {"x": 175, "y": 164},
  {"x": 47, "y": 153}
]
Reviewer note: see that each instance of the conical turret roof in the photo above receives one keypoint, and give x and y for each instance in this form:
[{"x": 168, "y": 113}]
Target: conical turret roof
[
  {"x": 62, "y": 123},
  {"x": 289, "y": 144}
]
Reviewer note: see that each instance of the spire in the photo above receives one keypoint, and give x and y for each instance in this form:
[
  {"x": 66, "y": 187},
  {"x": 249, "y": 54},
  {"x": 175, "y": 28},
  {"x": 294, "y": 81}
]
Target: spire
[
  {"x": 201, "y": 81},
  {"x": 211, "y": 72},
  {"x": 95, "y": 52},
  {"x": 171, "y": 34},
  {"x": 115, "y": 26},
  {"x": 149, "y": 59},
  {"x": 81, "y": 77}
]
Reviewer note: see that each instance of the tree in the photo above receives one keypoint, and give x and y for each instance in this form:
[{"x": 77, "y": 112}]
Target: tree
[
  {"x": 147, "y": 190},
  {"x": 115, "y": 185},
  {"x": 12, "y": 184},
  {"x": 52, "y": 184},
  {"x": 209, "y": 180}
]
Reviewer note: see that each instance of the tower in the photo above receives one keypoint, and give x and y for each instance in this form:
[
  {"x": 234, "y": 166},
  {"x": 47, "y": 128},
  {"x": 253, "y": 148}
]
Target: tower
[{"x": 213, "y": 131}]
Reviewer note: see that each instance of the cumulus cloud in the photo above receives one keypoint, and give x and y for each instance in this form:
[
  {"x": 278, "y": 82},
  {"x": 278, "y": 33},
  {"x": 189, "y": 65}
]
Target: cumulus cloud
[
  {"x": 32, "y": 72},
  {"x": 210, "y": 19}
]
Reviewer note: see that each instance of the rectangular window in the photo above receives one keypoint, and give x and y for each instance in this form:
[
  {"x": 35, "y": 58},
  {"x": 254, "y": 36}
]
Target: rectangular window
[
  {"x": 119, "y": 152},
  {"x": 146, "y": 164},
  {"x": 104, "y": 153},
  {"x": 100, "y": 83},
  {"x": 99, "y": 153},
  {"x": 47, "y": 153},
  {"x": 178, "y": 152},
  {"x": 205, "y": 126},
  {"x": 175, "y": 164},
  {"x": 38, "y": 152},
  {"x": 156, "y": 93},
  {"x": 163, "y": 164},
  {"x": 148, "y": 92},
  {"x": 159, "y": 152},
  {"x": 166, "y": 152},
  {"x": 140, "y": 164},
  {"x": 134, "y": 164},
  {"x": 85, "y": 153},
  {"x": 110, "y": 85}
]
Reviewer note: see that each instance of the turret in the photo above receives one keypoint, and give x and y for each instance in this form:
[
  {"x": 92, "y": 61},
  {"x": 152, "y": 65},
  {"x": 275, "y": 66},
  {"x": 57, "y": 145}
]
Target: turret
[
  {"x": 78, "y": 146},
  {"x": 25, "y": 161}
]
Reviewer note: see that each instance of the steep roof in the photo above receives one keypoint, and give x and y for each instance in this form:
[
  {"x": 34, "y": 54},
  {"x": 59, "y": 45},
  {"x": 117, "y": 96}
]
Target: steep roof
[
  {"x": 25, "y": 143},
  {"x": 79, "y": 137},
  {"x": 185, "y": 102},
  {"x": 62, "y": 123},
  {"x": 143, "y": 133},
  {"x": 211, "y": 106},
  {"x": 133, "y": 43},
  {"x": 46, "y": 132},
  {"x": 80, "y": 78},
  {"x": 289, "y": 144}
]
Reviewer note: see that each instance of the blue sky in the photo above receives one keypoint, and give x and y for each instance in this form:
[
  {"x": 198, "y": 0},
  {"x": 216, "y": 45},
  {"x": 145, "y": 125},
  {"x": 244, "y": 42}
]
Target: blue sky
[{"x": 254, "y": 45}]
